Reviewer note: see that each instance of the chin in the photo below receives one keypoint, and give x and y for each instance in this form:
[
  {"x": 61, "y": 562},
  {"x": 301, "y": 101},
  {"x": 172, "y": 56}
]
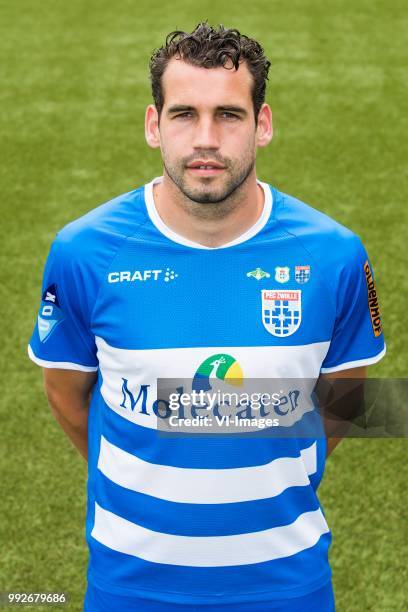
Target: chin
[
  {"x": 205, "y": 195},
  {"x": 208, "y": 199}
]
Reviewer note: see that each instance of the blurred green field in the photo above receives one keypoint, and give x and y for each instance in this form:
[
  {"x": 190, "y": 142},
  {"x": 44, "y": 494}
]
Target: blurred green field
[{"x": 73, "y": 90}]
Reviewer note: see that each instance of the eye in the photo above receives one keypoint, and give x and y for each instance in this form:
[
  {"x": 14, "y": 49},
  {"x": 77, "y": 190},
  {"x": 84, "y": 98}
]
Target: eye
[
  {"x": 229, "y": 116},
  {"x": 185, "y": 115}
]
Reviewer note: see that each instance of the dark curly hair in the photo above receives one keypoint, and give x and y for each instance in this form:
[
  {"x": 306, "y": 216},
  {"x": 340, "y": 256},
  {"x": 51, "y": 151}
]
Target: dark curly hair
[{"x": 210, "y": 47}]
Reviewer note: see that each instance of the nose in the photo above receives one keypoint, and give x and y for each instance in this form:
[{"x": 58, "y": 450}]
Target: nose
[{"x": 206, "y": 134}]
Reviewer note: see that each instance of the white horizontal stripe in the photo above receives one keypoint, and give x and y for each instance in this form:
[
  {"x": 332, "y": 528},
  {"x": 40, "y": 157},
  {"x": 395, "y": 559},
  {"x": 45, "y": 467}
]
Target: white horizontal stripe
[
  {"x": 277, "y": 366},
  {"x": 355, "y": 364},
  {"x": 206, "y": 486},
  {"x": 208, "y": 551},
  {"x": 62, "y": 365},
  {"x": 266, "y": 362}
]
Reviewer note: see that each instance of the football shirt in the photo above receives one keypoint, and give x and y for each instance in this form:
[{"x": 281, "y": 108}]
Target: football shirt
[{"x": 196, "y": 519}]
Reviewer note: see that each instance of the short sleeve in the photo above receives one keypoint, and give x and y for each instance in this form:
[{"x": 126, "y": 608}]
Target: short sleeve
[
  {"x": 357, "y": 338},
  {"x": 62, "y": 337}
]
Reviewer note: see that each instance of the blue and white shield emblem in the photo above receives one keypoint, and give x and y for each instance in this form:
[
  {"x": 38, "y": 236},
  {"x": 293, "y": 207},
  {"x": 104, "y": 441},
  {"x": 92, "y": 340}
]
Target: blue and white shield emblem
[
  {"x": 282, "y": 274},
  {"x": 281, "y": 311},
  {"x": 302, "y": 274}
]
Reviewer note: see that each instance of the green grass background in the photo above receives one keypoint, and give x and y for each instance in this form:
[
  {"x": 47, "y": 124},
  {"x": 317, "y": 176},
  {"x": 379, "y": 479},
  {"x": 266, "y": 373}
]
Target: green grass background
[{"x": 73, "y": 91}]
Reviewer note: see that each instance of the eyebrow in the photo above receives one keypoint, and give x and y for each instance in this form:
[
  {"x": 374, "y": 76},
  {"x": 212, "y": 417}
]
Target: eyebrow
[{"x": 180, "y": 108}]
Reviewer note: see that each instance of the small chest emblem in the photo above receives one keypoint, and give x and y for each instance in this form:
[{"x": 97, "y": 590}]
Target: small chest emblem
[
  {"x": 282, "y": 274},
  {"x": 302, "y": 274},
  {"x": 258, "y": 273},
  {"x": 281, "y": 311}
]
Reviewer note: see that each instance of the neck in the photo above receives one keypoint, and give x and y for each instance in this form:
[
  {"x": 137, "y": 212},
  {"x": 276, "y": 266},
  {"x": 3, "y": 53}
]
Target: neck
[{"x": 211, "y": 225}]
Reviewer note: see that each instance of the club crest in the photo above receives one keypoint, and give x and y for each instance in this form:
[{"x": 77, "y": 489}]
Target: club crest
[
  {"x": 302, "y": 274},
  {"x": 282, "y": 274},
  {"x": 281, "y": 311}
]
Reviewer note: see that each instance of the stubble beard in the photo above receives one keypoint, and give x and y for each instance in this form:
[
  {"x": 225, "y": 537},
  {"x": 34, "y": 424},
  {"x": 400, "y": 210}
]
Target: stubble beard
[{"x": 236, "y": 174}]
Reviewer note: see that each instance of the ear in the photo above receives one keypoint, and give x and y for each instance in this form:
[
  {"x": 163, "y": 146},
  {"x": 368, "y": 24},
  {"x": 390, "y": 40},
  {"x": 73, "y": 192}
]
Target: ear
[
  {"x": 264, "y": 129},
  {"x": 152, "y": 133}
]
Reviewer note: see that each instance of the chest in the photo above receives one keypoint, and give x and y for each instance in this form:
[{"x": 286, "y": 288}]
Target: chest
[
  {"x": 162, "y": 299},
  {"x": 204, "y": 315}
]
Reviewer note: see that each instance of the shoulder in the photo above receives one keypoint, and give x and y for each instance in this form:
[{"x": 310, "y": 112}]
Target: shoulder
[
  {"x": 321, "y": 235},
  {"x": 104, "y": 228}
]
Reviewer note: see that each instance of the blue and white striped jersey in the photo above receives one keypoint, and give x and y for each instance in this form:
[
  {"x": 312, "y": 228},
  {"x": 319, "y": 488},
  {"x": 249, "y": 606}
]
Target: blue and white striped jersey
[{"x": 195, "y": 519}]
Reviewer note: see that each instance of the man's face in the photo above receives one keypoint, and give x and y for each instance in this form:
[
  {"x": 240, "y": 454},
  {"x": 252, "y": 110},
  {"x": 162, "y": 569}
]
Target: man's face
[{"x": 207, "y": 129}]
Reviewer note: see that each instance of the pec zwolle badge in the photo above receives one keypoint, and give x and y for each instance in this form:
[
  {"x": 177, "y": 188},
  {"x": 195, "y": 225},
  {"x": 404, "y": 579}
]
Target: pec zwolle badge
[{"x": 281, "y": 311}]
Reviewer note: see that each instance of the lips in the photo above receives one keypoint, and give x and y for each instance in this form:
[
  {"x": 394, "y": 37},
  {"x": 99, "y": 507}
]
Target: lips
[
  {"x": 205, "y": 168},
  {"x": 205, "y": 165}
]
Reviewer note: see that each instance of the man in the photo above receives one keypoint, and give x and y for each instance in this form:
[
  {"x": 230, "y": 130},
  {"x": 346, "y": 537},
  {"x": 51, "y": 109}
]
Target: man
[{"x": 206, "y": 273}]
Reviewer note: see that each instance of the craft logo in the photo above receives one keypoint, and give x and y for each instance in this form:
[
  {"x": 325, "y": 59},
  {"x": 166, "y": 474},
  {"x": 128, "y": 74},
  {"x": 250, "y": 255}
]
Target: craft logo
[
  {"x": 281, "y": 311},
  {"x": 131, "y": 276},
  {"x": 373, "y": 301}
]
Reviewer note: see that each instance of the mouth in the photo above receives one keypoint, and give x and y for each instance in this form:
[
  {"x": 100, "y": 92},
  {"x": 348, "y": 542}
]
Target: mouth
[{"x": 205, "y": 168}]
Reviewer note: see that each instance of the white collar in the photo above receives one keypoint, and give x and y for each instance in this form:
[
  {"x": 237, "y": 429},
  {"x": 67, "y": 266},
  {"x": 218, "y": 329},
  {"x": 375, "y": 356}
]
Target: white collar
[{"x": 164, "y": 229}]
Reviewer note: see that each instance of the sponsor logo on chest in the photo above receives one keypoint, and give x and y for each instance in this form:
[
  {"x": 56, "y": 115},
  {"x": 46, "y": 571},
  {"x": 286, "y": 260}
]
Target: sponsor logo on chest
[{"x": 132, "y": 276}]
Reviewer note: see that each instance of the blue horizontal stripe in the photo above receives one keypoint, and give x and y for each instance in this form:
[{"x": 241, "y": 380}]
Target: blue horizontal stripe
[
  {"x": 203, "y": 519},
  {"x": 279, "y": 578},
  {"x": 99, "y": 599},
  {"x": 198, "y": 451}
]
